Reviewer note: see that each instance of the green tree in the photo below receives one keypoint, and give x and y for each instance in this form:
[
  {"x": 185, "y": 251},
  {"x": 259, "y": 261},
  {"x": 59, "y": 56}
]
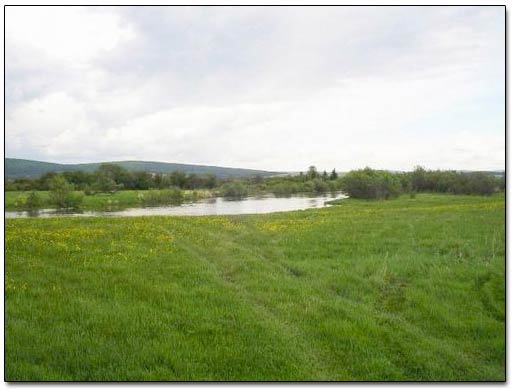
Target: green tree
[
  {"x": 234, "y": 189},
  {"x": 211, "y": 180},
  {"x": 502, "y": 182},
  {"x": 104, "y": 183},
  {"x": 371, "y": 184},
  {"x": 178, "y": 179},
  {"x": 61, "y": 193},
  {"x": 142, "y": 180},
  {"x": 108, "y": 173},
  {"x": 114, "y": 171},
  {"x": 419, "y": 179},
  {"x": 312, "y": 172},
  {"x": 320, "y": 186},
  {"x": 43, "y": 183},
  {"x": 33, "y": 201}
]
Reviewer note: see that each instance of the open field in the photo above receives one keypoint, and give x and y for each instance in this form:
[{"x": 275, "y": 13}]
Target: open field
[{"x": 405, "y": 289}]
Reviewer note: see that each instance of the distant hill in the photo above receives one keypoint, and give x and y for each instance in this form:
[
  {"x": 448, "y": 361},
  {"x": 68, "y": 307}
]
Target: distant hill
[{"x": 18, "y": 168}]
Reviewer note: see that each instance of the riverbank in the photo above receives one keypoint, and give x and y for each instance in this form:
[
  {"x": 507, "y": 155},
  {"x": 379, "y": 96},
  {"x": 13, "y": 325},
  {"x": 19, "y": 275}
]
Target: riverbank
[
  {"x": 16, "y": 200},
  {"x": 128, "y": 202},
  {"x": 206, "y": 206},
  {"x": 405, "y": 289}
]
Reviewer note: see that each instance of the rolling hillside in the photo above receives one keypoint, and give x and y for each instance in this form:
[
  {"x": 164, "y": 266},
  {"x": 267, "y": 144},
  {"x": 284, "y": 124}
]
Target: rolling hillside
[{"x": 18, "y": 168}]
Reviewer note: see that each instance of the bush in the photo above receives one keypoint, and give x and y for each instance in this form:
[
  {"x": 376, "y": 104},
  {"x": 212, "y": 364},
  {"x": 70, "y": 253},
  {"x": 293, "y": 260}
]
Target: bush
[
  {"x": 501, "y": 182},
  {"x": 333, "y": 185},
  {"x": 308, "y": 186},
  {"x": 320, "y": 186},
  {"x": 88, "y": 190},
  {"x": 234, "y": 189},
  {"x": 371, "y": 184},
  {"x": 162, "y": 197},
  {"x": 74, "y": 200},
  {"x": 105, "y": 184},
  {"x": 474, "y": 183},
  {"x": 284, "y": 189},
  {"x": 62, "y": 195},
  {"x": 33, "y": 201}
]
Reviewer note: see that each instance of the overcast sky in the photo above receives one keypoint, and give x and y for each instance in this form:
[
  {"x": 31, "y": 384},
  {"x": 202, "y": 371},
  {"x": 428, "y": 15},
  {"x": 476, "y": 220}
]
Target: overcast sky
[{"x": 275, "y": 88}]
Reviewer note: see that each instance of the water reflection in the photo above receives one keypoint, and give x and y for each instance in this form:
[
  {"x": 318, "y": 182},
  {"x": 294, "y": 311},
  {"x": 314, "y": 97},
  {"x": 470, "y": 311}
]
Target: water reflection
[
  {"x": 209, "y": 206},
  {"x": 33, "y": 213}
]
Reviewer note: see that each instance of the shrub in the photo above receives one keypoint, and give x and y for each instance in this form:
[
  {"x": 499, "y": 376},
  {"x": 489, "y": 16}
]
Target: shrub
[
  {"x": 284, "y": 189},
  {"x": 320, "y": 186},
  {"x": 474, "y": 183},
  {"x": 88, "y": 190},
  {"x": 62, "y": 195},
  {"x": 501, "y": 182},
  {"x": 159, "y": 197},
  {"x": 477, "y": 183},
  {"x": 234, "y": 189},
  {"x": 332, "y": 185},
  {"x": 74, "y": 200},
  {"x": 371, "y": 184},
  {"x": 105, "y": 184},
  {"x": 33, "y": 201},
  {"x": 308, "y": 186}
]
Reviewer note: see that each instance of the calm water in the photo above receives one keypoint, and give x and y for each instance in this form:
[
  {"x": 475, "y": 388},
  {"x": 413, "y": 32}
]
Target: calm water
[{"x": 210, "y": 206}]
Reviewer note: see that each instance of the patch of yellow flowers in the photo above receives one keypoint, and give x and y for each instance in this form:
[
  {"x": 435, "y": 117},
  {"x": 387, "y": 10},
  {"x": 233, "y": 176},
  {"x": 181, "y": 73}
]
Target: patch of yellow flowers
[{"x": 297, "y": 224}]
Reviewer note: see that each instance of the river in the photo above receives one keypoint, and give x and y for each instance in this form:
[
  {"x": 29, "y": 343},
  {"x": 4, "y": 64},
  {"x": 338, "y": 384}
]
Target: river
[{"x": 209, "y": 206}]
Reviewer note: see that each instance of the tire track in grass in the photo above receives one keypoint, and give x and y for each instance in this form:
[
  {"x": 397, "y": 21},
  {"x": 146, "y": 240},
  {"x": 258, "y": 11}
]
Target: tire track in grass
[{"x": 287, "y": 332}]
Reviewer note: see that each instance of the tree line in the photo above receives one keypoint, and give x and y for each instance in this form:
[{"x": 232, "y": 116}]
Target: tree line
[
  {"x": 376, "y": 184},
  {"x": 68, "y": 188},
  {"x": 111, "y": 177}
]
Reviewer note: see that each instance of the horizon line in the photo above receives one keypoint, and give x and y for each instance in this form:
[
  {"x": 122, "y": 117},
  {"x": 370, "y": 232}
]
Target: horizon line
[{"x": 259, "y": 169}]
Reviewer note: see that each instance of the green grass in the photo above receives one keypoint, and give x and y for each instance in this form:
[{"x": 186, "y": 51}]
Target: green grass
[
  {"x": 407, "y": 289},
  {"x": 15, "y": 200}
]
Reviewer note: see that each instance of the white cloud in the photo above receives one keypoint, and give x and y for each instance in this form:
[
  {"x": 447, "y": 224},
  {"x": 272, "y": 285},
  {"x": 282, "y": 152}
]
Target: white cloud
[
  {"x": 70, "y": 34},
  {"x": 270, "y": 88}
]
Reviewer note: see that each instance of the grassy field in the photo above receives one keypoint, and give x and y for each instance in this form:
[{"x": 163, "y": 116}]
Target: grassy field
[
  {"x": 407, "y": 289},
  {"x": 15, "y": 200}
]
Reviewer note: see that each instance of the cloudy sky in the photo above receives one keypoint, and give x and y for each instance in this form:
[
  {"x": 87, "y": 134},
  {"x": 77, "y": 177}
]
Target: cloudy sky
[{"x": 275, "y": 88}]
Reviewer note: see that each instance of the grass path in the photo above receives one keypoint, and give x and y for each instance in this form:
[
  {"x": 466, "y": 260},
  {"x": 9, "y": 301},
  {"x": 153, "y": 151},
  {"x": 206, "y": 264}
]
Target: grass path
[{"x": 408, "y": 289}]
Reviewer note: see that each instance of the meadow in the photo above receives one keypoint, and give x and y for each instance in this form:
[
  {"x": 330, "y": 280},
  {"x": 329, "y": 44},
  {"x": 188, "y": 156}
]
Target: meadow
[{"x": 403, "y": 289}]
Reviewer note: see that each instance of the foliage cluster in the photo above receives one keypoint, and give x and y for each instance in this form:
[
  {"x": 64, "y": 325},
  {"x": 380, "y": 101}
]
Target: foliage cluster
[
  {"x": 161, "y": 197},
  {"x": 234, "y": 189},
  {"x": 62, "y": 194},
  {"x": 468, "y": 183},
  {"x": 371, "y": 184},
  {"x": 374, "y": 184},
  {"x": 109, "y": 178},
  {"x": 364, "y": 183}
]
